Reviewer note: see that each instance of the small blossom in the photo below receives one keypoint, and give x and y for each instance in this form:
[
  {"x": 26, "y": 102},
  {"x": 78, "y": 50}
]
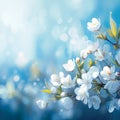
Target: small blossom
[
  {"x": 94, "y": 101},
  {"x": 98, "y": 55},
  {"x": 42, "y": 104},
  {"x": 101, "y": 54},
  {"x": 55, "y": 80},
  {"x": 63, "y": 94},
  {"x": 113, "y": 105},
  {"x": 82, "y": 93},
  {"x": 86, "y": 80},
  {"x": 84, "y": 54},
  {"x": 67, "y": 82},
  {"x": 94, "y": 72},
  {"x": 108, "y": 73},
  {"x": 112, "y": 86},
  {"x": 77, "y": 60},
  {"x": 70, "y": 66},
  {"x": 94, "y": 25},
  {"x": 92, "y": 47},
  {"x": 61, "y": 74}
]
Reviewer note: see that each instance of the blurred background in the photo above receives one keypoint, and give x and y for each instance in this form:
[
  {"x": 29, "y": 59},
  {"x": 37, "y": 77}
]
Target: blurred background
[{"x": 36, "y": 38}]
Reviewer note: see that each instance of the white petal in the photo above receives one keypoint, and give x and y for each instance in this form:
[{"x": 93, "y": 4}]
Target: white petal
[
  {"x": 79, "y": 81},
  {"x": 89, "y": 103},
  {"x": 42, "y": 104},
  {"x": 96, "y": 102},
  {"x": 112, "y": 86},
  {"x": 66, "y": 102},
  {"x": 111, "y": 108}
]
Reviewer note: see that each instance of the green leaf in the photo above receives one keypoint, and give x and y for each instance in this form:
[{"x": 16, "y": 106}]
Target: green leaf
[
  {"x": 59, "y": 90},
  {"x": 113, "y": 26},
  {"x": 78, "y": 75},
  {"x": 110, "y": 33},
  {"x": 102, "y": 36},
  {"x": 57, "y": 97},
  {"x": 81, "y": 65},
  {"x": 46, "y": 91},
  {"x": 91, "y": 63}
]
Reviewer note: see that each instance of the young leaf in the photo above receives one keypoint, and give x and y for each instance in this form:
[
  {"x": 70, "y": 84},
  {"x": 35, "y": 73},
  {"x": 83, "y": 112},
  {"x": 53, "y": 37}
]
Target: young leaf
[
  {"x": 102, "y": 36},
  {"x": 110, "y": 33},
  {"x": 113, "y": 26},
  {"x": 46, "y": 91}
]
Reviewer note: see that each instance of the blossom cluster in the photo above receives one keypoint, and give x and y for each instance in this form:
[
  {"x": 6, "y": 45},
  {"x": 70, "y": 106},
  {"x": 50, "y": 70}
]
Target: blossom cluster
[{"x": 94, "y": 76}]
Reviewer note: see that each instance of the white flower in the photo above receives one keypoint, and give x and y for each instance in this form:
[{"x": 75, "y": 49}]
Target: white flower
[
  {"x": 42, "y": 104},
  {"x": 94, "y": 101},
  {"x": 67, "y": 82},
  {"x": 82, "y": 93},
  {"x": 94, "y": 25},
  {"x": 70, "y": 66},
  {"x": 101, "y": 54},
  {"x": 61, "y": 74},
  {"x": 112, "y": 86},
  {"x": 86, "y": 80},
  {"x": 117, "y": 57},
  {"x": 98, "y": 55},
  {"x": 108, "y": 73},
  {"x": 66, "y": 103},
  {"x": 90, "y": 48},
  {"x": 84, "y": 54},
  {"x": 94, "y": 72},
  {"x": 77, "y": 60},
  {"x": 63, "y": 94},
  {"x": 56, "y": 79},
  {"x": 113, "y": 104}
]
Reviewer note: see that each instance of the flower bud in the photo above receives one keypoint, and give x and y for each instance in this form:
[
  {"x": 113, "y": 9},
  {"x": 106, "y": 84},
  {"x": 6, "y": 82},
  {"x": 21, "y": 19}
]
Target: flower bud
[
  {"x": 77, "y": 60},
  {"x": 63, "y": 94}
]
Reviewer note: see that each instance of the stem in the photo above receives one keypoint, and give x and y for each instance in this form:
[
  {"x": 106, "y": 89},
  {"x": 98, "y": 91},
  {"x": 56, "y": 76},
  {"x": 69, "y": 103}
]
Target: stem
[
  {"x": 100, "y": 80},
  {"x": 111, "y": 42},
  {"x": 115, "y": 44}
]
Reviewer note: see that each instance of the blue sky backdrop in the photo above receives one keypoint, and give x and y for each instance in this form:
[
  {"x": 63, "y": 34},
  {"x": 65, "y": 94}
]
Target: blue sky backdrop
[{"x": 48, "y": 31}]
